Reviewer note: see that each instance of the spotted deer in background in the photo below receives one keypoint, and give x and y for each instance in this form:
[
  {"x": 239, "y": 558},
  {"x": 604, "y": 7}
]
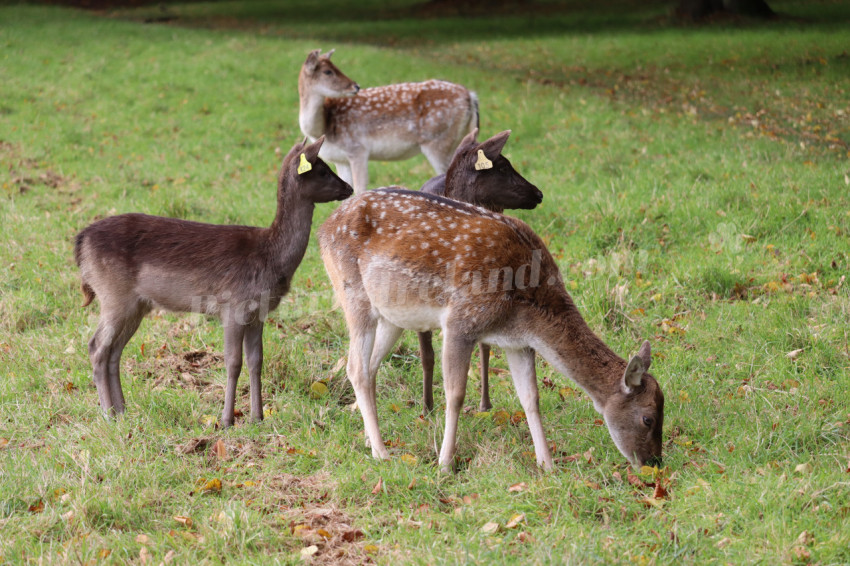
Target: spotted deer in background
[
  {"x": 386, "y": 123},
  {"x": 405, "y": 260}
]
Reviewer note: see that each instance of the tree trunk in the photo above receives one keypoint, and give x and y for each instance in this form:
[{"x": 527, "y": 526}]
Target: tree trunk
[{"x": 699, "y": 9}]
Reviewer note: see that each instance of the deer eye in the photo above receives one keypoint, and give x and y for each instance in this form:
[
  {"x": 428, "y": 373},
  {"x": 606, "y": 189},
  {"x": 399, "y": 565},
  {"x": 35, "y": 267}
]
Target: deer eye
[
  {"x": 647, "y": 421},
  {"x": 328, "y": 72}
]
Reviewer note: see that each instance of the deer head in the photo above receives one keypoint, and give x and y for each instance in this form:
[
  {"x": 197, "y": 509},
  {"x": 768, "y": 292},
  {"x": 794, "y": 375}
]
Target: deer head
[{"x": 321, "y": 77}]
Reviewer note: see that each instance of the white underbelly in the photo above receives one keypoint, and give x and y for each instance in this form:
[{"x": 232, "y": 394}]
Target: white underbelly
[{"x": 420, "y": 318}]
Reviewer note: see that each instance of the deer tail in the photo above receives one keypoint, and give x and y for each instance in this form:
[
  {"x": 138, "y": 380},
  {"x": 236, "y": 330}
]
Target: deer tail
[{"x": 88, "y": 292}]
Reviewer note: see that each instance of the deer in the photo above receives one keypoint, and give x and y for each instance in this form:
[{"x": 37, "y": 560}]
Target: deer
[
  {"x": 385, "y": 123},
  {"x": 402, "y": 259},
  {"x": 133, "y": 263},
  {"x": 478, "y": 174}
]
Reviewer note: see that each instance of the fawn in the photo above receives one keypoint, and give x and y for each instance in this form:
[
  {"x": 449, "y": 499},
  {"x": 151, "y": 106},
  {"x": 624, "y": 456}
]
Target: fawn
[
  {"x": 494, "y": 184},
  {"x": 134, "y": 263}
]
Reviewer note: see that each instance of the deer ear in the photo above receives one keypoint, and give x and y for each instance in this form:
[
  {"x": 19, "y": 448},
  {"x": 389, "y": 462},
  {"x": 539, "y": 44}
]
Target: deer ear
[
  {"x": 645, "y": 354},
  {"x": 312, "y": 59},
  {"x": 468, "y": 139},
  {"x": 633, "y": 375},
  {"x": 311, "y": 152},
  {"x": 493, "y": 146},
  {"x": 329, "y": 53}
]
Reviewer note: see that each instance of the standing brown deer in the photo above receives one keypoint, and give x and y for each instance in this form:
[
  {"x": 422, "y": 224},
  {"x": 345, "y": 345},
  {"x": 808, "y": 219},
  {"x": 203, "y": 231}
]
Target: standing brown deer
[
  {"x": 479, "y": 174},
  {"x": 134, "y": 263},
  {"x": 401, "y": 259},
  {"x": 386, "y": 123}
]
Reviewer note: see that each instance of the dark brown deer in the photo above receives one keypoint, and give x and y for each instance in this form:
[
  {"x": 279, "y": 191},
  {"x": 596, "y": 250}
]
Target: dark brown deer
[
  {"x": 385, "y": 123},
  {"x": 134, "y": 263},
  {"x": 479, "y": 174},
  {"x": 402, "y": 259}
]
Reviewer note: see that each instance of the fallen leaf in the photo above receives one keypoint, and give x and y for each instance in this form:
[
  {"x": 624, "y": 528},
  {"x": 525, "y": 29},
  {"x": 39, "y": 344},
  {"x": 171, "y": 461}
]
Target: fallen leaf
[
  {"x": 501, "y": 417},
  {"x": 724, "y": 542},
  {"x": 518, "y": 487},
  {"x": 4, "y": 442},
  {"x": 660, "y": 492},
  {"x": 412, "y": 483},
  {"x": 211, "y": 486},
  {"x": 37, "y": 507},
  {"x": 68, "y": 516},
  {"x": 518, "y": 417},
  {"x": 409, "y": 459},
  {"x": 370, "y": 549},
  {"x": 309, "y": 551},
  {"x": 378, "y": 486},
  {"x": 143, "y": 539},
  {"x": 324, "y": 534},
  {"x": 169, "y": 556},
  {"x": 318, "y": 389},
  {"x": 794, "y": 353},
  {"x": 144, "y": 555},
  {"x": 340, "y": 363},
  {"x": 806, "y": 538},
  {"x": 183, "y": 520},
  {"x": 104, "y": 552},
  {"x": 395, "y": 408},
  {"x": 565, "y": 392},
  {"x": 515, "y": 520},
  {"x": 490, "y": 528},
  {"x": 805, "y": 468},
  {"x": 220, "y": 450},
  {"x": 525, "y": 537},
  {"x": 352, "y": 535}
]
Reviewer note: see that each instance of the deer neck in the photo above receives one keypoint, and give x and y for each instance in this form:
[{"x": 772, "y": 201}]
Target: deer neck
[
  {"x": 311, "y": 115},
  {"x": 290, "y": 233},
  {"x": 562, "y": 337}
]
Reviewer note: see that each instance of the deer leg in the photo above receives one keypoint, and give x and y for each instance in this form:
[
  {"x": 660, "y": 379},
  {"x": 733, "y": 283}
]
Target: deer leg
[
  {"x": 521, "y": 363},
  {"x": 359, "y": 172},
  {"x": 129, "y": 326},
  {"x": 343, "y": 170},
  {"x": 457, "y": 353},
  {"x": 426, "y": 353},
  {"x": 233, "y": 336},
  {"x": 100, "y": 349},
  {"x": 439, "y": 155},
  {"x": 484, "y": 351},
  {"x": 386, "y": 336},
  {"x": 362, "y": 341},
  {"x": 252, "y": 343}
]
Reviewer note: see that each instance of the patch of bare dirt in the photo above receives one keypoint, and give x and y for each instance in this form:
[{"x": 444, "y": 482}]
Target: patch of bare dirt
[{"x": 189, "y": 370}]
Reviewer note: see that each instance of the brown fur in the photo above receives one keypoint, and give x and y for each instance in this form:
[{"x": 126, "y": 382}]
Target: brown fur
[
  {"x": 495, "y": 189},
  {"x": 136, "y": 262},
  {"x": 400, "y": 259}
]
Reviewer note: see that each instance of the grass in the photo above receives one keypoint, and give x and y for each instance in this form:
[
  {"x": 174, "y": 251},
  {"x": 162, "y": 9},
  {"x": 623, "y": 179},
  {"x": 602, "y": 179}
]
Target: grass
[{"x": 696, "y": 195}]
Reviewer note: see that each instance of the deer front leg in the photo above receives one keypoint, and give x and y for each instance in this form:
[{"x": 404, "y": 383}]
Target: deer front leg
[
  {"x": 457, "y": 352},
  {"x": 484, "y": 351},
  {"x": 253, "y": 344},
  {"x": 359, "y": 171},
  {"x": 426, "y": 353},
  {"x": 233, "y": 336},
  {"x": 363, "y": 382},
  {"x": 100, "y": 349},
  {"x": 128, "y": 326},
  {"x": 524, "y": 374}
]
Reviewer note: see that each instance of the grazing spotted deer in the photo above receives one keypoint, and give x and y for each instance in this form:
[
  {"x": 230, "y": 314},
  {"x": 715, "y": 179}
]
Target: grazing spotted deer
[
  {"x": 479, "y": 174},
  {"x": 134, "y": 263},
  {"x": 386, "y": 123},
  {"x": 402, "y": 259}
]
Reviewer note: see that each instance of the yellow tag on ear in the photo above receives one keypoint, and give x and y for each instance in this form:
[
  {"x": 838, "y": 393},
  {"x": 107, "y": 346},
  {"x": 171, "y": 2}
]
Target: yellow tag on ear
[
  {"x": 304, "y": 165},
  {"x": 483, "y": 162}
]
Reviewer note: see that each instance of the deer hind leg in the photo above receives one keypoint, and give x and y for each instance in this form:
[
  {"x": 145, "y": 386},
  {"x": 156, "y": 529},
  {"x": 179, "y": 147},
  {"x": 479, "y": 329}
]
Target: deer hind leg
[
  {"x": 439, "y": 154},
  {"x": 426, "y": 353},
  {"x": 114, "y": 329},
  {"x": 521, "y": 363},
  {"x": 362, "y": 341},
  {"x": 252, "y": 343},
  {"x": 484, "y": 351},
  {"x": 457, "y": 352},
  {"x": 129, "y": 326},
  {"x": 234, "y": 334},
  {"x": 359, "y": 172},
  {"x": 386, "y": 335}
]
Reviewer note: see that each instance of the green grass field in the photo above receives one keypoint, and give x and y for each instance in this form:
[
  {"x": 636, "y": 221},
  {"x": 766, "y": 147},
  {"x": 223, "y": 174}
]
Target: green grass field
[{"x": 696, "y": 194}]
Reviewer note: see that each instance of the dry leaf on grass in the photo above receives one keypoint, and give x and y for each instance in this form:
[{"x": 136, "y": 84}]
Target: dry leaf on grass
[
  {"x": 378, "y": 486},
  {"x": 490, "y": 528},
  {"x": 515, "y": 520}
]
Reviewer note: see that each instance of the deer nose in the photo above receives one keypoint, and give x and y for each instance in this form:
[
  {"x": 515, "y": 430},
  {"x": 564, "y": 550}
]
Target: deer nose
[
  {"x": 539, "y": 196},
  {"x": 356, "y": 88}
]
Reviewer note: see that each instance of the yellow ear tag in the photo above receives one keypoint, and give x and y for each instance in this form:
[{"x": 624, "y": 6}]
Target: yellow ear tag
[
  {"x": 483, "y": 162},
  {"x": 304, "y": 165}
]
